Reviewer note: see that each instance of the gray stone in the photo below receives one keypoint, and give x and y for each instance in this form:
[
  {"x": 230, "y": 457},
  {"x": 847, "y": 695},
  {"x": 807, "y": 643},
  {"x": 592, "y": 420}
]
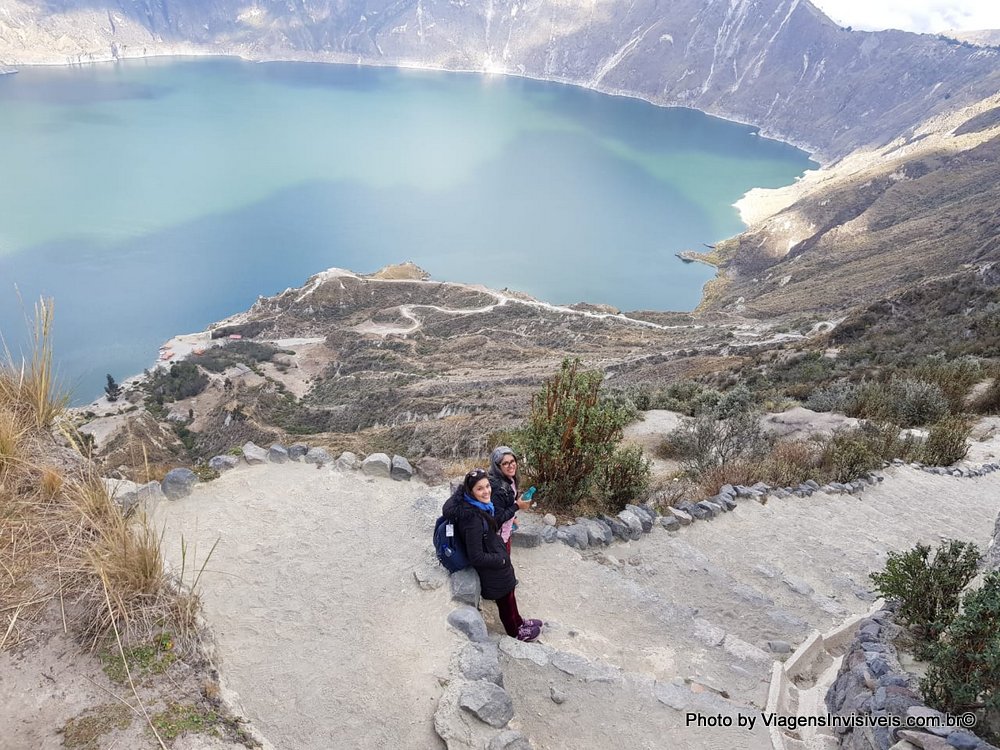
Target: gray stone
[
  {"x": 670, "y": 523},
  {"x": 430, "y": 578},
  {"x": 536, "y": 653},
  {"x": 632, "y": 521},
  {"x": 298, "y": 451},
  {"x": 963, "y": 740},
  {"x": 277, "y": 454},
  {"x": 431, "y": 470},
  {"x": 645, "y": 519},
  {"x": 558, "y": 696},
  {"x": 619, "y": 529},
  {"x": 178, "y": 483},
  {"x": 527, "y": 536},
  {"x": 701, "y": 512},
  {"x": 579, "y": 666},
  {"x": 779, "y": 647},
  {"x": 727, "y": 489},
  {"x": 798, "y": 585},
  {"x": 509, "y": 740},
  {"x": 481, "y": 661},
  {"x": 575, "y": 535},
  {"x": 992, "y": 557},
  {"x": 488, "y": 702},
  {"x": 467, "y": 620},
  {"x": 684, "y": 518},
  {"x": 727, "y": 502},
  {"x": 347, "y": 461},
  {"x": 549, "y": 534},
  {"x": 711, "y": 509},
  {"x": 317, "y": 456},
  {"x": 549, "y": 520},
  {"x": 401, "y": 470},
  {"x": 465, "y": 586},
  {"x": 377, "y": 465},
  {"x": 223, "y": 463},
  {"x": 253, "y": 454},
  {"x": 599, "y": 533},
  {"x": 716, "y": 507}
]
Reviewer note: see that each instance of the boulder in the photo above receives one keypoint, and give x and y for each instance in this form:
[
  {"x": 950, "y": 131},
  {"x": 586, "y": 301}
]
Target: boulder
[
  {"x": 645, "y": 519},
  {"x": 549, "y": 534},
  {"x": 298, "y": 451},
  {"x": 481, "y": 661},
  {"x": 527, "y": 536},
  {"x": 509, "y": 740},
  {"x": 488, "y": 702},
  {"x": 632, "y": 521},
  {"x": 377, "y": 465},
  {"x": 467, "y": 620},
  {"x": 277, "y": 454},
  {"x": 465, "y": 587},
  {"x": 254, "y": 454},
  {"x": 178, "y": 483},
  {"x": 223, "y": 463},
  {"x": 682, "y": 517},
  {"x": 431, "y": 470},
  {"x": 670, "y": 523},
  {"x": 347, "y": 461},
  {"x": 598, "y": 532},
  {"x": 575, "y": 535},
  {"x": 317, "y": 456},
  {"x": 400, "y": 469}
]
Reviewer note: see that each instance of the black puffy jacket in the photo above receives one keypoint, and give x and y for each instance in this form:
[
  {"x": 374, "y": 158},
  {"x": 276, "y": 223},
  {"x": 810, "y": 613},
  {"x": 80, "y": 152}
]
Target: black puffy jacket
[
  {"x": 483, "y": 545},
  {"x": 502, "y": 496}
]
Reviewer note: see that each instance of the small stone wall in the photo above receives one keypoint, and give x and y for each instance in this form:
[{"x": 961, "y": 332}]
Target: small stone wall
[{"x": 872, "y": 683}]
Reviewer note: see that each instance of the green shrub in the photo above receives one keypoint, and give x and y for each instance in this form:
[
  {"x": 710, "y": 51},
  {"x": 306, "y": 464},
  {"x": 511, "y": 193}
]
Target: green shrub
[
  {"x": 182, "y": 380},
  {"x": 928, "y": 592},
  {"x": 954, "y": 377},
  {"x": 707, "y": 442},
  {"x": 570, "y": 432},
  {"x": 947, "y": 442},
  {"x": 989, "y": 401},
  {"x": 838, "y": 396},
  {"x": 964, "y": 674},
  {"x": 624, "y": 477},
  {"x": 854, "y": 452},
  {"x": 903, "y": 401}
]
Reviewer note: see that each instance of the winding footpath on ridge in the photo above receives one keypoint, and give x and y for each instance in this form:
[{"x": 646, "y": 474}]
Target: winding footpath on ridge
[{"x": 328, "y": 640}]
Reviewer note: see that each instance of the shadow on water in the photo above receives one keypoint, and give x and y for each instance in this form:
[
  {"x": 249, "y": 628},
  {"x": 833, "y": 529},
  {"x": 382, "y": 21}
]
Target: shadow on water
[{"x": 564, "y": 229}]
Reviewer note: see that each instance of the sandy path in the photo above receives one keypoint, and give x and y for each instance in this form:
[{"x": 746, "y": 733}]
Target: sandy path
[{"x": 322, "y": 629}]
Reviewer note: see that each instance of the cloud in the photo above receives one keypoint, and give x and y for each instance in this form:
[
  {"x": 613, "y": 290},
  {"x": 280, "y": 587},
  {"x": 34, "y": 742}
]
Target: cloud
[{"x": 925, "y": 16}]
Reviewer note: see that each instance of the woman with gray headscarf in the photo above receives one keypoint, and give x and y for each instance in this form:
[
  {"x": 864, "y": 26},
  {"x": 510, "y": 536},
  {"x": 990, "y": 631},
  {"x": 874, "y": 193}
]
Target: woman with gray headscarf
[{"x": 504, "y": 481}]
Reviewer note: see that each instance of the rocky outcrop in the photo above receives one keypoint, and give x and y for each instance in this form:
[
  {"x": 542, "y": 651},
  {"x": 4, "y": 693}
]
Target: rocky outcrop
[{"x": 780, "y": 64}]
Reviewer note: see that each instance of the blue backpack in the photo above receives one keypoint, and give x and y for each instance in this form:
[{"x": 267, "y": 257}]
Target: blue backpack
[
  {"x": 450, "y": 549},
  {"x": 448, "y": 545}
]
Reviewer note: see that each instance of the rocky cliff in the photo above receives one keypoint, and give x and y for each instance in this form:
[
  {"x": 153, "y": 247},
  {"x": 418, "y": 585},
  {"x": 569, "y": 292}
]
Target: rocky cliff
[{"x": 780, "y": 64}]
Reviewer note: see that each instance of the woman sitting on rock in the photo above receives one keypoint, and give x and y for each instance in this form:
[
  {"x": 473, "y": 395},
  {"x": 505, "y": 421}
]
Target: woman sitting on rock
[
  {"x": 503, "y": 481},
  {"x": 474, "y": 516}
]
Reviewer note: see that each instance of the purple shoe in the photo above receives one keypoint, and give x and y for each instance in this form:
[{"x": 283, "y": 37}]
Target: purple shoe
[
  {"x": 534, "y": 623},
  {"x": 528, "y": 632}
]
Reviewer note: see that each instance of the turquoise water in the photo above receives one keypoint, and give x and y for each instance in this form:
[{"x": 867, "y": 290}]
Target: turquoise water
[{"x": 153, "y": 197}]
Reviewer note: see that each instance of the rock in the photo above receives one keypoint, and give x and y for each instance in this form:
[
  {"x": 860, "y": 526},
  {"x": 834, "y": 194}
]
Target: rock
[
  {"x": 558, "y": 696},
  {"x": 347, "y": 461},
  {"x": 223, "y": 463},
  {"x": 923, "y": 740},
  {"x": 549, "y": 534},
  {"x": 727, "y": 489},
  {"x": 467, "y": 620},
  {"x": 645, "y": 519},
  {"x": 632, "y": 521},
  {"x": 717, "y": 509},
  {"x": 377, "y": 465},
  {"x": 430, "y": 578},
  {"x": 481, "y": 661},
  {"x": 963, "y": 740},
  {"x": 992, "y": 557},
  {"x": 536, "y": 653},
  {"x": 253, "y": 454},
  {"x": 527, "y": 536},
  {"x": 488, "y": 702},
  {"x": 598, "y": 533},
  {"x": 178, "y": 483},
  {"x": 148, "y": 494},
  {"x": 798, "y": 585},
  {"x": 509, "y": 740},
  {"x": 298, "y": 451},
  {"x": 727, "y": 502},
  {"x": 779, "y": 647},
  {"x": 670, "y": 523},
  {"x": 277, "y": 454},
  {"x": 549, "y": 519},
  {"x": 578, "y": 666},
  {"x": 400, "y": 470},
  {"x": 431, "y": 470},
  {"x": 317, "y": 456},
  {"x": 701, "y": 511},
  {"x": 619, "y": 529},
  {"x": 465, "y": 586},
  {"x": 683, "y": 518},
  {"x": 575, "y": 535}
]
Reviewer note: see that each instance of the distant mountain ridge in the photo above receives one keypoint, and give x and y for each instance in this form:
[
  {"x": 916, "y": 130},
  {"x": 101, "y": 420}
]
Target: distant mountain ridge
[{"x": 779, "y": 64}]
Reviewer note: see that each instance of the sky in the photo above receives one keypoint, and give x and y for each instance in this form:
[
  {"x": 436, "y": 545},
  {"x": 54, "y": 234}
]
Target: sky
[{"x": 924, "y": 16}]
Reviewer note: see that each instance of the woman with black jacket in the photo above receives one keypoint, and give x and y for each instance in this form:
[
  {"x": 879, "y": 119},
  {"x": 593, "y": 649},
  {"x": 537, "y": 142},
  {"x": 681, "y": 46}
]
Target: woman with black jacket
[
  {"x": 503, "y": 482},
  {"x": 474, "y": 516}
]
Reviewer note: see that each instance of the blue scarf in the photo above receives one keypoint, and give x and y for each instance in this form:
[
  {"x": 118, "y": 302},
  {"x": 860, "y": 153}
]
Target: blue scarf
[{"x": 488, "y": 507}]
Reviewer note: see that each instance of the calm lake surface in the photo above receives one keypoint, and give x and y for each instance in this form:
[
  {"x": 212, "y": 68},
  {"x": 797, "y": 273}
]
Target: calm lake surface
[{"x": 151, "y": 198}]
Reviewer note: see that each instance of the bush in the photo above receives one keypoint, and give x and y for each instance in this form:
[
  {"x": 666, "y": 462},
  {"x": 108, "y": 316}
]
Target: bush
[
  {"x": 903, "y": 401},
  {"x": 854, "y": 452},
  {"x": 571, "y": 431},
  {"x": 964, "y": 674},
  {"x": 838, "y": 396},
  {"x": 947, "y": 442},
  {"x": 989, "y": 401},
  {"x": 954, "y": 377},
  {"x": 792, "y": 462},
  {"x": 928, "y": 592},
  {"x": 708, "y": 442},
  {"x": 624, "y": 477},
  {"x": 182, "y": 380}
]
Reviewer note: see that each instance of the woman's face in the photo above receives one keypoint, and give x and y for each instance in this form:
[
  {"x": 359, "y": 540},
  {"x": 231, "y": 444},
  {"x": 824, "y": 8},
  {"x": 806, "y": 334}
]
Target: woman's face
[
  {"x": 481, "y": 490},
  {"x": 508, "y": 466}
]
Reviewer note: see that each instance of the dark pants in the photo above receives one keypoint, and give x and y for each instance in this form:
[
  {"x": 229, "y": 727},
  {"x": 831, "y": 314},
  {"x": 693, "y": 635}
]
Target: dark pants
[{"x": 509, "y": 615}]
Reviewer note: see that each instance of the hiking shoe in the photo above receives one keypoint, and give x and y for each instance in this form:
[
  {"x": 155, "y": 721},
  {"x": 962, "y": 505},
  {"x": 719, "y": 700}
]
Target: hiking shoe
[
  {"x": 528, "y": 632},
  {"x": 534, "y": 623}
]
